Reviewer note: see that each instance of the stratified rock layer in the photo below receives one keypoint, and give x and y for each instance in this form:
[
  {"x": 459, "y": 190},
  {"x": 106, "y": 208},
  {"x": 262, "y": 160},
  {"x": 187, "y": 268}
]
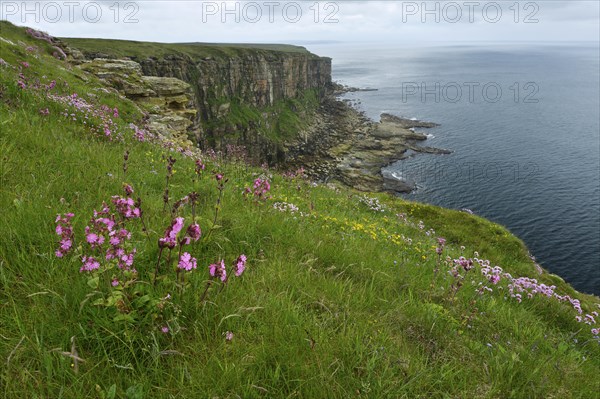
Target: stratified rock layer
[{"x": 169, "y": 102}]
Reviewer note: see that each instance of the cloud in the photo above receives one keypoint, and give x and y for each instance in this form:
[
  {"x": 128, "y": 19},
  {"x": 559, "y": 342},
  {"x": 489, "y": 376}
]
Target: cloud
[{"x": 400, "y": 22}]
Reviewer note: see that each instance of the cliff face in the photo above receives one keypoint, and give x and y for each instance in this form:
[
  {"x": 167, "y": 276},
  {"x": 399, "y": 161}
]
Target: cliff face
[
  {"x": 251, "y": 83},
  {"x": 256, "y": 98},
  {"x": 254, "y": 79}
]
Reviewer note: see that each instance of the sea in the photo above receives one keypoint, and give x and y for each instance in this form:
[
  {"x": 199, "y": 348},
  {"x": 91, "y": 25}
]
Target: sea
[{"x": 522, "y": 120}]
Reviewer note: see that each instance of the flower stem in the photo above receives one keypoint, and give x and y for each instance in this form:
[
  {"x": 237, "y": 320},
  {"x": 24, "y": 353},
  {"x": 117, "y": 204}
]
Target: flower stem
[
  {"x": 156, "y": 269},
  {"x": 208, "y": 284}
]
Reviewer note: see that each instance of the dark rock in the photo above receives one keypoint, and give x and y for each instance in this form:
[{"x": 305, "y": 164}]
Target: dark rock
[{"x": 406, "y": 123}]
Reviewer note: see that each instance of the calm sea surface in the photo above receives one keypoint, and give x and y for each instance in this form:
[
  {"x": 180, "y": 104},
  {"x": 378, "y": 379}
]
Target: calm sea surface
[{"x": 523, "y": 122}]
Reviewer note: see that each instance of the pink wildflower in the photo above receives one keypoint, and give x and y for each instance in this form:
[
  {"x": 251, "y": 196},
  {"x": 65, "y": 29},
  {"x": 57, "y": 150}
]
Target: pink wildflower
[
  {"x": 126, "y": 260},
  {"x": 194, "y": 231},
  {"x": 65, "y": 231},
  {"x": 66, "y": 244},
  {"x": 94, "y": 240},
  {"x": 169, "y": 239},
  {"x": 186, "y": 262},
  {"x": 240, "y": 265},
  {"x": 128, "y": 189},
  {"x": 89, "y": 264},
  {"x": 199, "y": 166},
  {"x": 218, "y": 270},
  {"x": 114, "y": 282},
  {"x": 228, "y": 335},
  {"x": 261, "y": 188},
  {"x": 126, "y": 207}
]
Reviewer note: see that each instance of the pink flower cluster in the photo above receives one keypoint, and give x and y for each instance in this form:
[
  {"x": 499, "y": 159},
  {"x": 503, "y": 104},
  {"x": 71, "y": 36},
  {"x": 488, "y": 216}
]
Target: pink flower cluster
[
  {"x": 218, "y": 270},
  {"x": 40, "y": 35},
  {"x": 89, "y": 264},
  {"x": 98, "y": 119},
  {"x": 102, "y": 228},
  {"x": 64, "y": 230},
  {"x": 493, "y": 274},
  {"x": 117, "y": 239},
  {"x": 521, "y": 287},
  {"x": 292, "y": 174},
  {"x": 199, "y": 166},
  {"x": 441, "y": 244},
  {"x": 102, "y": 223},
  {"x": 193, "y": 233},
  {"x": 128, "y": 189},
  {"x": 529, "y": 286},
  {"x": 169, "y": 239},
  {"x": 261, "y": 188},
  {"x": 126, "y": 206},
  {"x": 140, "y": 134},
  {"x": 466, "y": 264}
]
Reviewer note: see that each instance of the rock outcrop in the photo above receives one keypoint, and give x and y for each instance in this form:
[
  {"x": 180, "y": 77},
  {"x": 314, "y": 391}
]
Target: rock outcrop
[
  {"x": 169, "y": 102},
  {"x": 346, "y": 146}
]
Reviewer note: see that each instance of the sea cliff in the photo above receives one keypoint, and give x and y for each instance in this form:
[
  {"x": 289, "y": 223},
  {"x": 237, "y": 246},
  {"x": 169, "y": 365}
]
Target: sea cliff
[
  {"x": 256, "y": 96},
  {"x": 278, "y": 102}
]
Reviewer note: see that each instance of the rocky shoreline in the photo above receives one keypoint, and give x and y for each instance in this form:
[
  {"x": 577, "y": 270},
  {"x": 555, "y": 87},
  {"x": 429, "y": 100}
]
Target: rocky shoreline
[{"x": 344, "y": 145}]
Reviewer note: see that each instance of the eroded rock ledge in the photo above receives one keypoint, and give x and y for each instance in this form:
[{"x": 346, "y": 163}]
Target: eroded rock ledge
[{"x": 344, "y": 145}]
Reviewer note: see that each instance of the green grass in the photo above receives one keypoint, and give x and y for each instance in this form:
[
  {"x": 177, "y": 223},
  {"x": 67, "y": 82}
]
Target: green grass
[
  {"x": 334, "y": 304},
  {"x": 139, "y": 50}
]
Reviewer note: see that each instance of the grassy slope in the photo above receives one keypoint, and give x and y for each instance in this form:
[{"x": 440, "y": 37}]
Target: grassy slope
[{"x": 334, "y": 278}]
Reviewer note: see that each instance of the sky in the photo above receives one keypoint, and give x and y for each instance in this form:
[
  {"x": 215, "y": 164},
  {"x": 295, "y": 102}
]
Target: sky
[{"x": 399, "y": 22}]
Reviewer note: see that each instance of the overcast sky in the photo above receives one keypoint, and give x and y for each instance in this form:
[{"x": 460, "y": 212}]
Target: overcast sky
[{"x": 400, "y": 22}]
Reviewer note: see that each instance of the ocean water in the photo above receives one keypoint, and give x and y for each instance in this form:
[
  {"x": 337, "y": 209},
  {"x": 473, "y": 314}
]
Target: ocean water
[{"x": 523, "y": 122}]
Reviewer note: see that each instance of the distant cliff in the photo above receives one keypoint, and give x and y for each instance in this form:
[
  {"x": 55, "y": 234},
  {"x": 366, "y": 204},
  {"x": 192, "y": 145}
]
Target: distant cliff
[{"x": 258, "y": 96}]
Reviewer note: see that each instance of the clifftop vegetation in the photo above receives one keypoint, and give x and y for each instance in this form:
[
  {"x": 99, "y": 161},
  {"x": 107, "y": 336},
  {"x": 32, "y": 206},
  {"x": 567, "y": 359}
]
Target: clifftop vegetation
[{"x": 134, "y": 49}]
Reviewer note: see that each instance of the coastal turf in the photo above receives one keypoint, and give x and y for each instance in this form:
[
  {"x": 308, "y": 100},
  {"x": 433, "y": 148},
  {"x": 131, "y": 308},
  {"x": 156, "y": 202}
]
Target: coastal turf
[{"x": 337, "y": 300}]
